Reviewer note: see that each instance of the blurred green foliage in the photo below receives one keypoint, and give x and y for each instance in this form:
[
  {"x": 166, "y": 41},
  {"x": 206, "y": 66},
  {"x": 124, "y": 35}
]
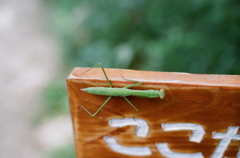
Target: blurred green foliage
[
  {"x": 55, "y": 99},
  {"x": 66, "y": 151},
  {"x": 196, "y": 36}
]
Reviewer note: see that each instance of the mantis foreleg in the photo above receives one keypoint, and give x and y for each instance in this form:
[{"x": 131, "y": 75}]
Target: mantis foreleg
[
  {"x": 138, "y": 83},
  {"x": 132, "y": 106},
  {"x": 97, "y": 109}
]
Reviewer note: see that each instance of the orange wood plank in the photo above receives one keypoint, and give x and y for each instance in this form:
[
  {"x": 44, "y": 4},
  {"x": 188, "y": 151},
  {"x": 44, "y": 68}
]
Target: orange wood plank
[{"x": 210, "y": 102}]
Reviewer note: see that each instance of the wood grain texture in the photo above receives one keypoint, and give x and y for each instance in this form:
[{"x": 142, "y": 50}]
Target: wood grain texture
[{"x": 212, "y": 101}]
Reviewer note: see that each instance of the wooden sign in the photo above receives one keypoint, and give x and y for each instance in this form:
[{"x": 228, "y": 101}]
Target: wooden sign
[{"x": 199, "y": 117}]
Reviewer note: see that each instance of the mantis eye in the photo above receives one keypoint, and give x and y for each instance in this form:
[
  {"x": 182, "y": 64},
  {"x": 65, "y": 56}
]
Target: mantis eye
[{"x": 161, "y": 93}]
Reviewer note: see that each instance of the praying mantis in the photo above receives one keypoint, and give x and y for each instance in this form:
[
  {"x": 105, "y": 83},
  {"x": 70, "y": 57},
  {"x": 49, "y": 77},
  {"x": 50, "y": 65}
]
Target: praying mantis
[{"x": 119, "y": 92}]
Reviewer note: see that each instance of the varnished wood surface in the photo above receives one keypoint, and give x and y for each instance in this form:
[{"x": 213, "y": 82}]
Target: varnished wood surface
[{"x": 212, "y": 101}]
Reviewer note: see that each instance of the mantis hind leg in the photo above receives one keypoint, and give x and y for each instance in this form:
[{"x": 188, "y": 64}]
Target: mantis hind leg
[
  {"x": 97, "y": 109},
  {"x": 105, "y": 74},
  {"x": 132, "y": 106},
  {"x": 138, "y": 83}
]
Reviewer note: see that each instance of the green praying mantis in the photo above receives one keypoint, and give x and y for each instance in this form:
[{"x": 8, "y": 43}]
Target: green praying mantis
[{"x": 119, "y": 92}]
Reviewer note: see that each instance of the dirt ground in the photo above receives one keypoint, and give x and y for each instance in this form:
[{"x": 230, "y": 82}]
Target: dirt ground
[{"x": 28, "y": 62}]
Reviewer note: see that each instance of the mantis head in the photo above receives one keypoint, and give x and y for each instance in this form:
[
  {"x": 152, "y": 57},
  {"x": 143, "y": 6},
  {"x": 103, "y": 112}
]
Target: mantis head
[{"x": 161, "y": 93}]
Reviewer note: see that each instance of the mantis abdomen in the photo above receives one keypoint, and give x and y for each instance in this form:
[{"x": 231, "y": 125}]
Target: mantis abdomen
[{"x": 123, "y": 92}]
